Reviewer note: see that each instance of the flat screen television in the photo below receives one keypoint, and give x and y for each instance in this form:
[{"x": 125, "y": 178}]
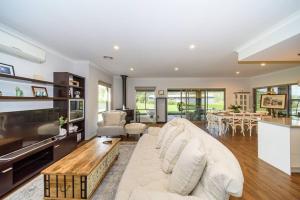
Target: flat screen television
[{"x": 24, "y": 128}]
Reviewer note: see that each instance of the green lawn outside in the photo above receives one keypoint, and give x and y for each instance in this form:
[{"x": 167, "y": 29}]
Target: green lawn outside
[{"x": 172, "y": 107}]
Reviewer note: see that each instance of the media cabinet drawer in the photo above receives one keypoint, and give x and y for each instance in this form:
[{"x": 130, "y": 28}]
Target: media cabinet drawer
[
  {"x": 76, "y": 186},
  {"x": 65, "y": 146},
  {"x": 6, "y": 177}
]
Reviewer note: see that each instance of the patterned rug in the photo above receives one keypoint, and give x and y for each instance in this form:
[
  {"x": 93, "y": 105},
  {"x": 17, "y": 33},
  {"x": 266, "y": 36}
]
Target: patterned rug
[{"x": 33, "y": 190}]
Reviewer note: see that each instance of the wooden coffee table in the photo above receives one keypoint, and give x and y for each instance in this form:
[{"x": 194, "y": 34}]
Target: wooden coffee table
[{"x": 78, "y": 175}]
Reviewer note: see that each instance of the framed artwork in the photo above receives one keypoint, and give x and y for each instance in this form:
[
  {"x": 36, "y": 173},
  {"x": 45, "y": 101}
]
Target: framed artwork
[
  {"x": 274, "y": 101},
  {"x": 7, "y": 69},
  {"x": 74, "y": 83},
  {"x": 39, "y": 91},
  {"x": 161, "y": 92}
]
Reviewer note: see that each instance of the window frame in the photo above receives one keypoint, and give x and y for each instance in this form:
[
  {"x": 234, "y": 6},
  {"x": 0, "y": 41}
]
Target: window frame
[
  {"x": 108, "y": 100},
  {"x": 291, "y": 100},
  {"x": 146, "y": 99}
]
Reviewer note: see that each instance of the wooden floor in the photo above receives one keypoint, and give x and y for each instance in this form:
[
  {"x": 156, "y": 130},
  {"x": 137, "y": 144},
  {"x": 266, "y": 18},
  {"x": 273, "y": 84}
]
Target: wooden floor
[{"x": 262, "y": 181}]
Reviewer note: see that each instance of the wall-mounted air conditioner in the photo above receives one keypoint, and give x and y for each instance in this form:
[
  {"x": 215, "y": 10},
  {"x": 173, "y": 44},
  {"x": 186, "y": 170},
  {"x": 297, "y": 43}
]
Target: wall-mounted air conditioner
[{"x": 17, "y": 47}]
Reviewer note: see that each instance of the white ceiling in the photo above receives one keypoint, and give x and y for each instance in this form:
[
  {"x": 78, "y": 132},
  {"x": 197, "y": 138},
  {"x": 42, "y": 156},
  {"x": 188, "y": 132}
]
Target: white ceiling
[{"x": 153, "y": 35}]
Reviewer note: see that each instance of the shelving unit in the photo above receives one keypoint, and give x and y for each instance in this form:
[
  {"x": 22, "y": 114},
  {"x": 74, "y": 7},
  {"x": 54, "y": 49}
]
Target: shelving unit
[
  {"x": 61, "y": 87},
  {"x": 242, "y": 99},
  {"x": 22, "y": 79},
  {"x": 31, "y": 98},
  {"x": 68, "y": 93}
]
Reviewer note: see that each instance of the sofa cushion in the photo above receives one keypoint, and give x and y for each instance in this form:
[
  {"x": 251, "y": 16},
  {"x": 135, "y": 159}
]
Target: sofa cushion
[
  {"x": 154, "y": 131},
  {"x": 174, "y": 151},
  {"x": 162, "y": 134},
  {"x": 145, "y": 194},
  {"x": 112, "y": 118},
  {"x": 143, "y": 169},
  {"x": 170, "y": 135},
  {"x": 222, "y": 175},
  {"x": 188, "y": 169},
  {"x": 163, "y": 130}
]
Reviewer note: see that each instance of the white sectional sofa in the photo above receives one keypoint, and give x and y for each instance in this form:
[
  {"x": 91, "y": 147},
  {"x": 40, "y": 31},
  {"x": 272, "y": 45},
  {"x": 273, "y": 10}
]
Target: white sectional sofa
[{"x": 144, "y": 178}]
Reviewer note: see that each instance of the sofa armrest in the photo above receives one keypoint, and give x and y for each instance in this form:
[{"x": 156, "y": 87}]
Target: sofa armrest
[
  {"x": 100, "y": 123},
  {"x": 153, "y": 131},
  {"x": 144, "y": 194},
  {"x": 122, "y": 123}
]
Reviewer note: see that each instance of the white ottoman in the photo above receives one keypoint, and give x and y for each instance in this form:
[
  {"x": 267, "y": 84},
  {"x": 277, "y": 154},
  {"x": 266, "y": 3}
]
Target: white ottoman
[{"x": 135, "y": 128}]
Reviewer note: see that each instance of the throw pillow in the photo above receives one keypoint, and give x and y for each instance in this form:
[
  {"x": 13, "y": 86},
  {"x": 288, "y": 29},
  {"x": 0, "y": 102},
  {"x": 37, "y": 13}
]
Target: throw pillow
[
  {"x": 188, "y": 169},
  {"x": 174, "y": 151},
  {"x": 169, "y": 137},
  {"x": 162, "y": 134}
]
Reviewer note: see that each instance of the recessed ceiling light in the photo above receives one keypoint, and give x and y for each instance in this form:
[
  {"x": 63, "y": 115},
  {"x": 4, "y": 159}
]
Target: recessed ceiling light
[
  {"x": 192, "y": 46},
  {"x": 176, "y": 68},
  {"x": 262, "y": 64},
  {"x": 116, "y": 47},
  {"x": 131, "y": 69},
  {"x": 237, "y": 72}
]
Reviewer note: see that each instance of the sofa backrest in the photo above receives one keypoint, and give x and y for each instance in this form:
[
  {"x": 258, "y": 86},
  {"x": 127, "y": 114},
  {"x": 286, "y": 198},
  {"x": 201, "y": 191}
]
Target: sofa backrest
[
  {"x": 113, "y": 118},
  {"x": 223, "y": 175}
]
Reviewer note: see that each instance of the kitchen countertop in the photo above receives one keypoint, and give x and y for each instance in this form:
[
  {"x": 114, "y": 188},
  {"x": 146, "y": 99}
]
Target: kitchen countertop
[{"x": 287, "y": 122}]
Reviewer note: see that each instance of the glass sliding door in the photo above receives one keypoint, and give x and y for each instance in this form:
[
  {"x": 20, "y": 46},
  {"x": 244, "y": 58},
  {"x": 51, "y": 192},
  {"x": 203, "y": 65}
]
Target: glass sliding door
[
  {"x": 193, "y": 104},
  {"x": 145, "y": 105},
  {"x": 176, "y": 103}
]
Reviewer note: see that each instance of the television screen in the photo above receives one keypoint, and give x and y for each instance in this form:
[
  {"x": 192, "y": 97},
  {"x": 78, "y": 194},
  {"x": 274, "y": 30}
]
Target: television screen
[{"x": 23, "y": 128}]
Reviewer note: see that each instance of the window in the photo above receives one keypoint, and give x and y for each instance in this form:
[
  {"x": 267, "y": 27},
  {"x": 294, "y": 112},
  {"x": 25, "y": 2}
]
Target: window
[
  {"x": 294, "y": 100},
  {"x": 145, "y": 101},
  {"x": 215, "y": 100},
  {"x": 258, "y": 93},
  {"x": 104, "y": 99}
]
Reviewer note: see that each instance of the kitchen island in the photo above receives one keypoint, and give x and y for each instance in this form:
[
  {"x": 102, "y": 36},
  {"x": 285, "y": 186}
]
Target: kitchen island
[{"x": 279, "y": 143}]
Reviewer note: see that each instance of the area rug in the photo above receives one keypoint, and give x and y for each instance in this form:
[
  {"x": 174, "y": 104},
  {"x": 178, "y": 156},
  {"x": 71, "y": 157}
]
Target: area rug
[{"x": 33, "y": 190}]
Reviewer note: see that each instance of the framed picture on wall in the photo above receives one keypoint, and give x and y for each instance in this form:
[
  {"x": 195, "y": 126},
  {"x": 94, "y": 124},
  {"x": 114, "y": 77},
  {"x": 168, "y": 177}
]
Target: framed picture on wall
[
  {"x": 7, "y": 69},
  {"x": 39, "y": 91},
  {"x": 274, "y": 101},
  {"x": 161, "y": 92}
]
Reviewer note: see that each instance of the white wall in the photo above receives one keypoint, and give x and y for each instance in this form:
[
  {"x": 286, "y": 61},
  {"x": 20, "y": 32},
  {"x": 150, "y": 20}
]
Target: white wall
[
  {"x": 94, "y": 75},
  {"x": 29, "y": 69},
  {"x": 230, "y": 84},
  {"x": 55, "y": 62},
  {"x": 291, "y": 75}
]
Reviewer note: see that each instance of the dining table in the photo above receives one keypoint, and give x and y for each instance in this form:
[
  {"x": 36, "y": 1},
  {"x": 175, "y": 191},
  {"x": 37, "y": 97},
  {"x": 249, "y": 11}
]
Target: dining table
[{"x": 223, "y": 116}]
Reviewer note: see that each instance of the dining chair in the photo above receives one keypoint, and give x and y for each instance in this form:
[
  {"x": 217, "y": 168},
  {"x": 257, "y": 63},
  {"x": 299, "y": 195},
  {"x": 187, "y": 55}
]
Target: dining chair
[
  {"x": 251, "y": 121},
  {"x": 236, "y": 120},
  {"x": 212, "y": 123}
]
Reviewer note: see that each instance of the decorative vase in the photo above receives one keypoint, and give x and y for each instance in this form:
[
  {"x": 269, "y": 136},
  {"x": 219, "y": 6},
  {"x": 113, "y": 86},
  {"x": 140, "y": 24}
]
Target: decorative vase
[{"x": 62, "y": 131}]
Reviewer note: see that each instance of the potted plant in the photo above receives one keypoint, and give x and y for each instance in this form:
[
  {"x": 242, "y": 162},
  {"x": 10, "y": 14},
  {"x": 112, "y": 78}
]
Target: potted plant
[
  {"x": 62, "y": 122},
  {"x": 235, "y": 108}
]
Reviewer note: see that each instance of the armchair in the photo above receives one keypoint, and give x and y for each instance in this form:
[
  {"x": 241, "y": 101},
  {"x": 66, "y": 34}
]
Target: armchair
[{"x": 112, "y": 124}]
